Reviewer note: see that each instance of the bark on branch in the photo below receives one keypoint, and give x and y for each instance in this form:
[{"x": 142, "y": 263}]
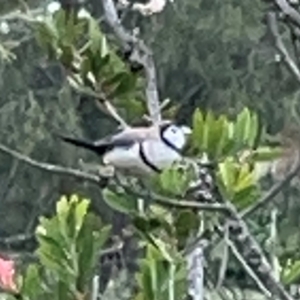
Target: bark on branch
[
  {"x": 140, "y": 54},
  {"x": 273, "y": 25}
]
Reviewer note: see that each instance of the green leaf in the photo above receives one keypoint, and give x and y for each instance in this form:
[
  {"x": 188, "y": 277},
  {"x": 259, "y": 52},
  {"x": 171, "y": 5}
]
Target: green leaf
[
  {"x": 292, "y": 273},
  {"x": 62, "y": 209},
  {"x": 198, "y": 130},
  {"x": 241, "y": 126},
  {"x": 228, "y": 174},
  {"x": 31, "y": 286},
  {"x": 120, "y": 202},
  {"x": 223, "y": 133},
  {"x": 80, "y": 211},
  {"x": 185, "y": 223},
  {"x": 104, "y": 47},
  {"x": 148, "y": 225},
  {"x": 47, "y": 37},
  {"x": 208, "y": 125},
  {"x": 67, "y": 55},
  {"x": 253, "y": 132},
  {"x": 245, "y": 178},
  {"x": 62, "y": 206},
  {"x": 89, "y": 243},
  {"x": 266, "y": 154},
  {"x": 246, "y": 197},
  {"x": 120, "y": 84},
  {"x": 217, "y": 130},
  {"x": 246, "y": 129},
  {"x": 51, "y": 253},
  {"x": 176, "y": 180},
  {"x": 95, "y": 36},
  {"x": 85, "y": 67}
]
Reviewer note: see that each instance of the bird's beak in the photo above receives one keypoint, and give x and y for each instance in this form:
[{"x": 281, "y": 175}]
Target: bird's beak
[{"x": 186, "y": 130}]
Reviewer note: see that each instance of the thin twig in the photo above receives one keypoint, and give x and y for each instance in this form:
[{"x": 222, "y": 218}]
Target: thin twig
[
  {"x": 249, "y": 270},
  {"x": 112, "y": 111},
  {"x": 55, "y": 169},
  {"x": 195, "y": 267},
  {"x": 273, "y": 25},
  {"x": 19, "y": 15},
  {"x": 213, "y": 207},
  {"x": 16, "y": 239},
  {"x": 179, "y": 203},
  {"x": 289, "y": 11},
  {"x": 295, "y": 41},
  {"x": 100, "y": 97},
  {"x": 270, "y": 195},
  {"x": 95, "y": 287},
  {"x": 10, "y": 180},
  {"x": 140, "y": 53}
]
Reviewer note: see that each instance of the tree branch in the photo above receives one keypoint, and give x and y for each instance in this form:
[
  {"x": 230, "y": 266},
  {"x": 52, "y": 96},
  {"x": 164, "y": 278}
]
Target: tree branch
[
  {"x": 273, "y": 25},
  {"x": 59, "y": 170},
  {"x": 100, "y": 99},
  {"x": 270, "y": 195},
  {"x": 249, "y": 270},
  {"x": 95, "y": 179},
  {"x": 212, "y": 207},
  {"x": 140, "y": 53},
  {"x": 289, "y": 11},
  {"x": 251, "y": 251}
]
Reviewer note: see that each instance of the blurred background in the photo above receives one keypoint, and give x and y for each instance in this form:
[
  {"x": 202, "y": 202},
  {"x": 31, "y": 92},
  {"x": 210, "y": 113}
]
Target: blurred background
[{"x": 213, "y": 54}]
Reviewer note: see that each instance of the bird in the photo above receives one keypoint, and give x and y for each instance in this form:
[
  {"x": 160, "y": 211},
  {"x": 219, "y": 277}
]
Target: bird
[{"x": 139, "y": 150}]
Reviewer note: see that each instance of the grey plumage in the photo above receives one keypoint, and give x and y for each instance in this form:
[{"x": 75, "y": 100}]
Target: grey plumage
[{"x": 141, "y": 149}]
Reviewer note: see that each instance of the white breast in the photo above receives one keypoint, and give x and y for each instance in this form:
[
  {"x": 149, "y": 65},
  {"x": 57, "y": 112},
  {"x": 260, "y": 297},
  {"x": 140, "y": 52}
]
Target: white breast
[{"x": 158, "y": 153}]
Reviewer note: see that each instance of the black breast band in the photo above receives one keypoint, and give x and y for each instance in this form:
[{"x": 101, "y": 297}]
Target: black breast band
[{"x": 146, "y": 161}]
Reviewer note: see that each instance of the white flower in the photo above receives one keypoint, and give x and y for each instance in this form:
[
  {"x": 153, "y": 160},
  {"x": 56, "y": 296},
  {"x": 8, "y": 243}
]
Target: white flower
[
  {"x": 4, "y": 27},
  {"x": 53, "y": 7},
  {"x": 83, "y": 13},
  {"x": 152, "y": 7}
]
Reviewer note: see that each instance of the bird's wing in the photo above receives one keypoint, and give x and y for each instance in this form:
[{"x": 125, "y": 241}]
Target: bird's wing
[
  {"x": 133, "y": 135},
  {"x": 125, "y": 138}
]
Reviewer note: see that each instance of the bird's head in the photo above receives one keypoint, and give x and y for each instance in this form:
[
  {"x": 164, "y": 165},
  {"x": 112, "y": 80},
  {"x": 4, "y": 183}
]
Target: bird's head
[{"x": 175, "y": 135}]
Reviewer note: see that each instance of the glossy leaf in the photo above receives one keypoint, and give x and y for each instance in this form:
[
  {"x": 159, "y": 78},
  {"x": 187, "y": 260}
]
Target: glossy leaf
[
  {"x": 147, "y": 224},
  {"x": 244, "y": 179},
  {"x": 95, "y": 36},
  {"x": 228, "y": 174},
  {"x": 253, "y": 132},
  {"x": 120, "y": 202},
  {"x": 81, "y": 209},
  {"x": 31, "y": 286},
  {"x": 104, "y": 47},
  {"x": 176, "y": 180},
  {"x": 198, "y": 129},
  {"x": 90, "y": 241},
  {"x": 246, "y": 197},
  {"x": 185, "y": 223},
  {"x": 208, "y": 125},
  {"x": 292, "y": 273},
  {"x": 266, "y": 154}
]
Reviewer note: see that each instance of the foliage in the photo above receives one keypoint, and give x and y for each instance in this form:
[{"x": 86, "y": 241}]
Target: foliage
[
  {"x": 221, "y": 48},
  {"x": 224, "y": 60},
  {"x": 93, "y": 66},
  {"x": 69, "y": 247}
]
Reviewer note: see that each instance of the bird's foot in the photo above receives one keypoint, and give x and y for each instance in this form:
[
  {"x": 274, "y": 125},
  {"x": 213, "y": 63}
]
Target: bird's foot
[{"x": 106, "y": 171}]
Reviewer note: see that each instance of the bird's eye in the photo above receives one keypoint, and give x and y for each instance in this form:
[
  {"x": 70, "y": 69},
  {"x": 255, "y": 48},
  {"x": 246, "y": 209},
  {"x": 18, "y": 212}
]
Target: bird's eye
[{"x": 173, "y": 130}]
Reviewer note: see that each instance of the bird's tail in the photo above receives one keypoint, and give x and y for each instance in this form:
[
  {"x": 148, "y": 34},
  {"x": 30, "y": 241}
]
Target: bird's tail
[{"x": 99, "y": 148}]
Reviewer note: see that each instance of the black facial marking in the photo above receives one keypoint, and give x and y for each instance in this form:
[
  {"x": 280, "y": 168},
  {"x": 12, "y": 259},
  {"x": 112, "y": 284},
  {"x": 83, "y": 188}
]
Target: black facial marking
[{"x": 163, "y": 128}]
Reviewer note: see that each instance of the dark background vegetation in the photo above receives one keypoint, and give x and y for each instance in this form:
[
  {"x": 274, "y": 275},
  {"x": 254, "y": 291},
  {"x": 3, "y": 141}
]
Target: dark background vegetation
[{"x": 213, "y": 54}]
